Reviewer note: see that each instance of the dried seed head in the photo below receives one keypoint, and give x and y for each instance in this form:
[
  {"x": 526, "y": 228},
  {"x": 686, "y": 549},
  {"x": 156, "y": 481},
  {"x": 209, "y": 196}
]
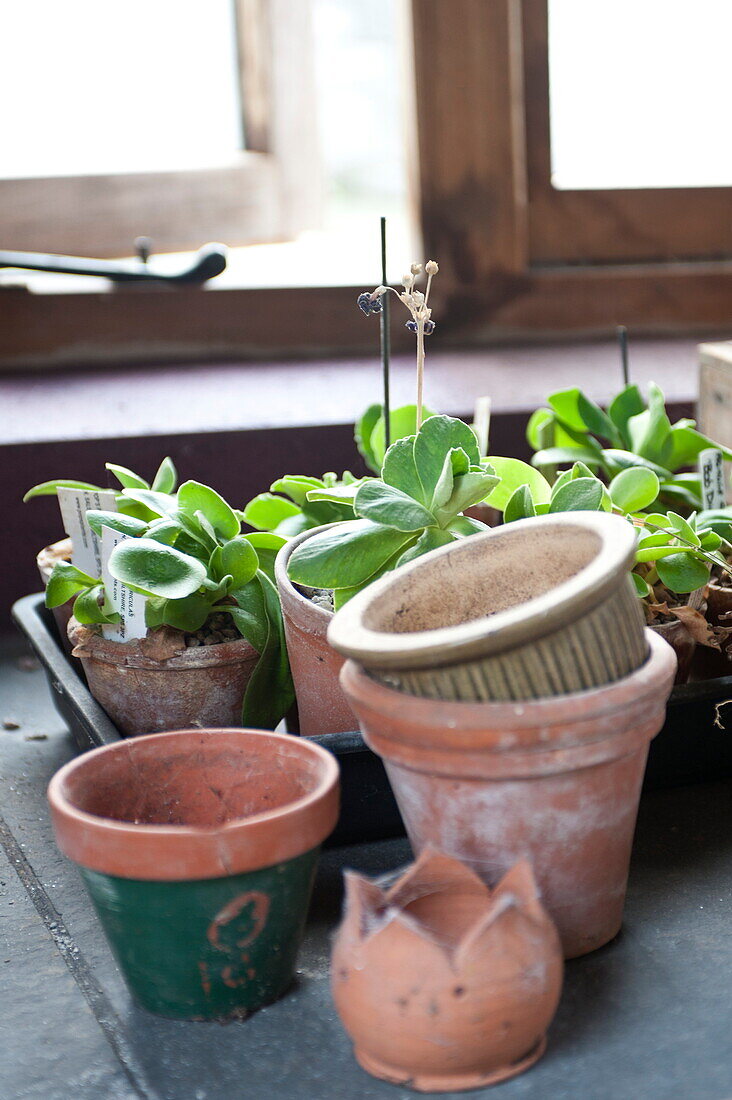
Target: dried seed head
[
  {"x": 431, "y": 267},
  {"x": 378, "y": 292},
  {"x": 415, "y": 269},
  {"x": 407, "y": 281},
  {"x": 418, "y": 297}
]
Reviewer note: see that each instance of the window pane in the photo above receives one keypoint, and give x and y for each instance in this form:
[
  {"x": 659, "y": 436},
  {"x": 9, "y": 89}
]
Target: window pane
[
  {"x": 640, "y": 93},
  {"x": 94, "y": 86}
]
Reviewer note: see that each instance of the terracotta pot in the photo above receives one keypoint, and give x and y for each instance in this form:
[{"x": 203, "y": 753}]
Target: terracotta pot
[
  {"x": 322, "y": 707},
  {"x": 46, "y": 559},
  {"x": 199, "y": 850},
  {"x": 441, "y": 983},
  {"x": 555, "y": 781},
  {"x": 540, "y": 607},
  {"x": 153, "y": 684}
]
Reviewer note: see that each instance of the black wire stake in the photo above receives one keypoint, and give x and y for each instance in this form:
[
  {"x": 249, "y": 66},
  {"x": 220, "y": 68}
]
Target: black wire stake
[
  {"x": 385, "y": 339},
  {"x": 623, "y": 342}
]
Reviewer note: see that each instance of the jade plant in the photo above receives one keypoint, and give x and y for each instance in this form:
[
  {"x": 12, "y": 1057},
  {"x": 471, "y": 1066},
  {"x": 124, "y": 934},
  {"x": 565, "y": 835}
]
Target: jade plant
[
  {"x": 427, "y": 481},
  {"x": 633, "y": 432},
  {"x": 165, "y": 481},
  {"x": 191, "y": 561}
]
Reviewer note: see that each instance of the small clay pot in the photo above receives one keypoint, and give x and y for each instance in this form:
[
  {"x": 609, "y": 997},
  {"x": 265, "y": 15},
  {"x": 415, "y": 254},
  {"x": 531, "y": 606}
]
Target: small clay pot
[
  {"x": 322, "y": 707},
  {"x": 540, "y": 607},
  {"x": 554, "y": 781},
  {"x": 441, "y": 983},
  {"x": 708, "y": 663},
  {"x": 198, "y": 849},
  {"x": 153, "y": 684},
  {"x": 46, "y": 559}
]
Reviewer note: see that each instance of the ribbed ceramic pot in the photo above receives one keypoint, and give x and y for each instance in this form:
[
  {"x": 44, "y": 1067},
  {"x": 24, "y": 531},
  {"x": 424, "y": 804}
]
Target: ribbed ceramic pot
[
  {"x": 46, "y": 559},
  {"x": 153, "y": 684},
  {"x": 555, "y": 781},
  {"x": 540, "y": 607},
  {"x": 198, "y": 849},
  {"x": 321, "y": 705},
  {"x": 442, "y": 983}
]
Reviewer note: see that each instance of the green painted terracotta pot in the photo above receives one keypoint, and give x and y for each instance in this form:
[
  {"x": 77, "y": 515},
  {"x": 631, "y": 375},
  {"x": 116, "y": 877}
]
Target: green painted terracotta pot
[{"x": 199, "y": 849}]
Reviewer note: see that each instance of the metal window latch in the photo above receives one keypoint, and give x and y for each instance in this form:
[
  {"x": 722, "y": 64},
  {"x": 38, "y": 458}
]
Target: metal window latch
[{"x": 208, "y": 262}]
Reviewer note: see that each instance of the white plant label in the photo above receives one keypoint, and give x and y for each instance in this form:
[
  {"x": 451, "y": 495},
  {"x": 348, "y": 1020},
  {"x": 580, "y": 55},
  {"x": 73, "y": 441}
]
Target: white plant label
[
  {"x": 129, "y": 604},
  {"x": 86, "y": 546},
  {"x": 711, "y": 476}
]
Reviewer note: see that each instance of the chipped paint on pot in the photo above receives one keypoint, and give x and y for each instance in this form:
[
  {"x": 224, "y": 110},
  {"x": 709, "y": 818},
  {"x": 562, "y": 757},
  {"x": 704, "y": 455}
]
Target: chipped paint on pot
[
  {"x": 442, "y": 983},
  {"x": 321, "y": 705},
  {"x": 555, "y": 781},
  {"x": 198, "y": 849}
]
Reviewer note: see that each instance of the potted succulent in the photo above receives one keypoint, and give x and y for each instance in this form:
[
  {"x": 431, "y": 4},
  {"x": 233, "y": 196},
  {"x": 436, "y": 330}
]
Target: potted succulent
[
  {"x": 214, "y": 652},
  {"x": 427, "y": 481},
  {"x": 442, "y": 983},
  {"x": 632, "y": 432},
  {"x": 287, "y": 509},
  {"x": 164, "y": 481},
  {"x": 199, "y": 849}
]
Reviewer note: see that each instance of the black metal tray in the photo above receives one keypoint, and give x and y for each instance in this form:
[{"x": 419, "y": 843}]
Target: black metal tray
[
  {"x": 691, "y": 748},
  {"x": 368, "y": 809}
]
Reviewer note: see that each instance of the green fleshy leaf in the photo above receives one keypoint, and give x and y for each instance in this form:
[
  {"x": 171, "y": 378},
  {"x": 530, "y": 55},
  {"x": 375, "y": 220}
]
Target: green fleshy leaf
[
  {"x": 49, "y": 488},
  {"x": 682, "y": 572},
  {"x": 65, "y": 581},
  {"x": 683, "y": 529},
  {"x": 345, "y": 556},
  {"x": 463, "y": 526},
  {"x": 540, "y": 429},
  {"x": 239, "y": 560},
  {"x": 559, "y": 456},
  {"x": 616, "y": 460},
  {"x": 336, "y": 494},
  {"x": 384, "y": 504},
  {"x": 296, "y": 487},
  {"x": 128, "y": 479},
  {"x": 166, "y": 477},
  {"x": 430, "y": 539},
  {"x": 642, "y": 588},
  {"x": 89, "y": 610},
  {"x": 267, "y": 546},
  {"x": 363, "y": 429},
  {"x": 154, "y": 569},
  {"x": 520, "y": 505},
  {"x": 628, "y": 403},
  {"x": 159, "y": 504},
  {"x": 513, "y": 474},
  {"x": 634, "y": 489},
  {"x": 650, "y": 430},
  {"x": 269, "y": 694},
  {"x": 583, "y": 494},
  {"x": 190, "y": 613},
  {"x": 250, "y": 614},
  {"x": 266, "y": 511},
  {"x": 403, "y": 422},
  {"x": 117, "y": 521},
  {"x": 194, "y": 497},
  {"x": 435, "y": 439},
  {"x": 468, "y": 489},
  {"x": 400, "y": 469}
]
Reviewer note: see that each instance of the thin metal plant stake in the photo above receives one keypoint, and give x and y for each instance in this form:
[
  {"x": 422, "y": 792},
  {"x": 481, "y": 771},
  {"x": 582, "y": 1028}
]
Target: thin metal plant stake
[
  {"x": 623, "y": 342},
  {"x": 385, "y": 339}
]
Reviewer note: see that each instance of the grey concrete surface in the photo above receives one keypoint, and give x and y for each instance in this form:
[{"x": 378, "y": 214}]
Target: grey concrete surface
[{"x": 647, "y": 1018}]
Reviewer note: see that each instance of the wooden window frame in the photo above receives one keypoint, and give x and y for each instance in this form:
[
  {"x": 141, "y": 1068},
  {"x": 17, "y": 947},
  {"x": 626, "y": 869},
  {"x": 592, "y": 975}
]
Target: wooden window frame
[
  {"x": 256, "y": 196},
  {"x": 480, "y": 89}
]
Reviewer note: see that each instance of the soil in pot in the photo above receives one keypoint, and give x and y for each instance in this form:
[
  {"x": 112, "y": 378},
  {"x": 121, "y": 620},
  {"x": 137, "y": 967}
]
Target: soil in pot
[
  {"x": 322, "y": 707},
  {"x": 554, "y": 781},
  {"x": 198, "y": 849},
  {"x": 165, "y": 681}
]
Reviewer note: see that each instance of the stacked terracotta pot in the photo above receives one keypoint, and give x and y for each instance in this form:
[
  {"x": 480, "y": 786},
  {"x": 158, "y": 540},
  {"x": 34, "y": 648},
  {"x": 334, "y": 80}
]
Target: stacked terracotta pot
[{"x": 512, "y": 689}]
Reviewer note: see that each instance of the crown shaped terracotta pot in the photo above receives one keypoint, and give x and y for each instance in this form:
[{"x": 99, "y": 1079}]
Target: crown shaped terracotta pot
[
  {"x": 442, "y": 983},
  {"x": 556, "y": 781},
  {"x": 541, "y": 607}
]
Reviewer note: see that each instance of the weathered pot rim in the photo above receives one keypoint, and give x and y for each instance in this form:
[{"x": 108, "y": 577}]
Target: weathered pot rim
[
  {"x": 171, "y": 853},
  {"x": 441, "y": 717},
  {"x": 504, "y": 630},
  {"x": 96, "y": 647},
  {"x": 46, "y": 558},
  {"x": 317, "y": 616}
]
